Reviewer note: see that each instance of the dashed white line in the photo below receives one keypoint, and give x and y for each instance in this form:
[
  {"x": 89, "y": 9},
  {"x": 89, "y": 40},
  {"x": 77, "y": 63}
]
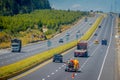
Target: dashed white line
[
  {"x": 48, "y": 76},
  {"x": 62, "y": 65},
  {"x": 43, "y": 79},
  {"x": 75, "y": 74},
  {"x": 52, "y": 73},
  {"x": 56, "y": 70},
  {"x": 59, "y": 67}
]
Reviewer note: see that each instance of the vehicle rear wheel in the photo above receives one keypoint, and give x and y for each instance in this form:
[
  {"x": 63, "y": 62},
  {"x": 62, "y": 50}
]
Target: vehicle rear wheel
[
  {"x": 75, "y": 55},
  {"x": 53, "y": 60}
]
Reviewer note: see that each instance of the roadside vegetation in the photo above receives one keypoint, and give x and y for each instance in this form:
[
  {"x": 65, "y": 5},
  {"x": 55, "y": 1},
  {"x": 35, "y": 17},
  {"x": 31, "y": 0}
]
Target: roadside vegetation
[{"x": 37, "y": 25}]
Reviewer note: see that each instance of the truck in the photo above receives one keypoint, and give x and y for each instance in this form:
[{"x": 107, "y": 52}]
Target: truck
[
  {"x": 81, "y": 50},
  {"x": 72, "y": 65},
  {"x": 16, "y": 45},
  {"x": 104, "y": 42}
]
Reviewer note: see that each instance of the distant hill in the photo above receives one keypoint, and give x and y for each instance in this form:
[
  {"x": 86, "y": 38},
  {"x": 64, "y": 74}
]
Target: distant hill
[{"x": 12, "y": 7}]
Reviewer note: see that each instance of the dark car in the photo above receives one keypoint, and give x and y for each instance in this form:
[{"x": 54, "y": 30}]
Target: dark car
[
  {"x": 58, "y": 58},
  {"x": 104, "y": 42},
  {"x": 95, "y": 34},
  {"x": 99, "y": 26},
  {"x": 61, "y": 40}
]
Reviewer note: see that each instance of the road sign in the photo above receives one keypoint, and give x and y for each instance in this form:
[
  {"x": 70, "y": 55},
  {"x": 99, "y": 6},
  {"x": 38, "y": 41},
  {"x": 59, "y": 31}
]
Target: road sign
[{"x": 49, "y": 43}]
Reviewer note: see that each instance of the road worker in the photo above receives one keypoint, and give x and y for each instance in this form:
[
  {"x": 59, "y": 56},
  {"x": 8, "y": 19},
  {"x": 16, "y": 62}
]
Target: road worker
[{"x": 76, "y": 64}]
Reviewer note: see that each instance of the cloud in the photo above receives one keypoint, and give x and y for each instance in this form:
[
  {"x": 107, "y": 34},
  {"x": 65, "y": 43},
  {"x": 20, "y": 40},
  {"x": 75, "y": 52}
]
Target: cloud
[
  {"x": 76, "y": 6},
  {"x": 53, "y": 6}
]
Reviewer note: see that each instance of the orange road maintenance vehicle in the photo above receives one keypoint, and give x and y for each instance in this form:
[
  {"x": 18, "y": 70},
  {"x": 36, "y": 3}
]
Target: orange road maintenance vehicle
[{"x": 72, "y": 65}]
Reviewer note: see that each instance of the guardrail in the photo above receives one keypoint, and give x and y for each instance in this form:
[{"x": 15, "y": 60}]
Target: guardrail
[{"x": 28, "y": 63}]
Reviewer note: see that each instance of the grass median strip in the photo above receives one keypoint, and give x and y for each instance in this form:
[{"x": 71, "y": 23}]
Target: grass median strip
[{"x": 25, "y": 64}]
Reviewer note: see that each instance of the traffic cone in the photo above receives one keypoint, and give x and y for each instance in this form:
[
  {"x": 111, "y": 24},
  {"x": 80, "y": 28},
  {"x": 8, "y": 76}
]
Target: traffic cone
[{"x": 73, "y": 75}]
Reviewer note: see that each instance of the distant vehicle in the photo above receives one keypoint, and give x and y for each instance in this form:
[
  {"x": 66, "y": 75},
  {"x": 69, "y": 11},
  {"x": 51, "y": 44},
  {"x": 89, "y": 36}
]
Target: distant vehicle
[
  {"x": 104, "y": 42},
  {"x": 72, "y": 65},
  {"x": 67, "y": 34},
  {"x": 95, "y": 34},
  {"x": 16, "y": 45},
  {"x": 99, "y": 26},
  {"x": 81, "y": 49},
  {"x": 78, "y": 31},
  {"x": 61, "y": 40},
  {"x": 86, "y": 19},
  {"x": 90, "y": 23},
  {"x": 96, "y": 42},
  {"x": 58, "y": 58}
]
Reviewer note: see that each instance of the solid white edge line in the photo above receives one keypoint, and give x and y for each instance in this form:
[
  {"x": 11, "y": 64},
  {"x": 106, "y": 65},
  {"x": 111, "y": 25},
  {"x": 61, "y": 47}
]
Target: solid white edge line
[{"x": 106, "y": 53}]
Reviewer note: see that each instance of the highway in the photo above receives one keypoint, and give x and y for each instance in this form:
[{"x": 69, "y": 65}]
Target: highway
[
  {"x": 8, "y": 57},
  {"x": 100, "y": 65}
]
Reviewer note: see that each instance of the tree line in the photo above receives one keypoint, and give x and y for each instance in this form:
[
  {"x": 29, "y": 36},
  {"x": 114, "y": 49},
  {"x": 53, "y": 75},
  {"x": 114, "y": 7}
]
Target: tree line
[{"x": 12, "y": 7}]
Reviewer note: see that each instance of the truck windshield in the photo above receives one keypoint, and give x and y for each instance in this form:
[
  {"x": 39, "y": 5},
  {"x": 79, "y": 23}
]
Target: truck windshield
[
  {"x": 82, "y": 47},
  {"x": 14, "y": 45}
]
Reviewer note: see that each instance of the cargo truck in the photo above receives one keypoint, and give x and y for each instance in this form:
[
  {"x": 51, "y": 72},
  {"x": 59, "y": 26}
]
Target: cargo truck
[
  {"x": 16, "y": 45},
  {"x": 81, "y": 49}
]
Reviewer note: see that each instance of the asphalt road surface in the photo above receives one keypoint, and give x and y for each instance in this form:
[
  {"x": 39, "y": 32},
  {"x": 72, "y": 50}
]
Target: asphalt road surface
[
  {"x": 8, "y": 57},
  {"x": 100, "y": 65}
]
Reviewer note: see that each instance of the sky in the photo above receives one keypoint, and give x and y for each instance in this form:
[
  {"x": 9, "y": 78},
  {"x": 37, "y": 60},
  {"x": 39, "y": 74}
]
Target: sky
[{"x": 87, "y": 5}]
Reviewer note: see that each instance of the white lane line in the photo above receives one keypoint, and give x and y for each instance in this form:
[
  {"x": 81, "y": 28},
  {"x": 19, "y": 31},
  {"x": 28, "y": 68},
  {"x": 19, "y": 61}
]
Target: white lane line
[
  {"x": 56, "y": 70},
  {"x": 43, "y": 79},
  {"x": 62, "y": 65},
  {"x": 106, "y": 53},
  {"x": 59, "y": 67},
  {"x": 75, "y": 74},
  {"x": 52, "y": 73},
  {"x": 48, "y": 76}
]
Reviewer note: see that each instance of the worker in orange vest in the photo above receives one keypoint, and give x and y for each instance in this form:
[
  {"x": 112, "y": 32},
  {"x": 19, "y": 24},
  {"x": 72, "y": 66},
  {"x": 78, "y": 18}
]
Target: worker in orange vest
[{"x": 76, "y": 64}]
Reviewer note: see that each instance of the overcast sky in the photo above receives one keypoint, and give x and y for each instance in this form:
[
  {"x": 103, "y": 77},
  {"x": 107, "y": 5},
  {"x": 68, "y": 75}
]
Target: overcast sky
[{"x": 103, "y": 5}]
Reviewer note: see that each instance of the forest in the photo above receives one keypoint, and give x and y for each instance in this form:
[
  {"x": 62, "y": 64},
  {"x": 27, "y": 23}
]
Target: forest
[{"x": 12, "y": 7}]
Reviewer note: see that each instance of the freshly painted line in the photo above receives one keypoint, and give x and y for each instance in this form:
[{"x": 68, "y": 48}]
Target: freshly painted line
[{"x": 106, "y": 54}]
